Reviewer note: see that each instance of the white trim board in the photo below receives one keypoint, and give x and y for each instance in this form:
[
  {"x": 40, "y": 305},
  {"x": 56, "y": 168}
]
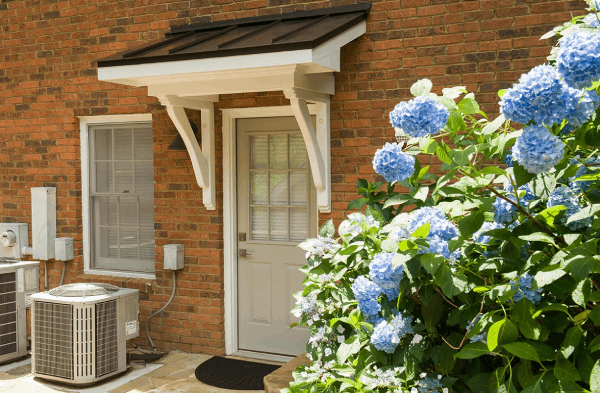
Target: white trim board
[
  {"x": 84, "y": 123},
  {"x": 230, "y": 212}
]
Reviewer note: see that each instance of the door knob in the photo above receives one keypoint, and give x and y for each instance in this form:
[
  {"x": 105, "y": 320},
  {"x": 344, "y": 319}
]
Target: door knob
[{"x": 242, "y": 252}]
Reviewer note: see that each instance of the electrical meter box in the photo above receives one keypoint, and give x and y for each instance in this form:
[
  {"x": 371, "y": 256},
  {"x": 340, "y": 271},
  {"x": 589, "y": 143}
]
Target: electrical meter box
[
  {"x": 173, "y": 256},
  {"x": 13, "y": 237}
]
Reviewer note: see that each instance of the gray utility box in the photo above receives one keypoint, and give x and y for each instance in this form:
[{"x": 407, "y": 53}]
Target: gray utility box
[
  {"x": 13, "y": 238},
  {"x": 18, "y": 282},
  {"x": 88, "y": 324}
]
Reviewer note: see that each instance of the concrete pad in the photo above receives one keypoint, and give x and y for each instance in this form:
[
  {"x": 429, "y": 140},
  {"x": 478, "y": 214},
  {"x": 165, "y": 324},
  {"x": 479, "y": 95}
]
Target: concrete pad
[{"x": 282, "y": 377}]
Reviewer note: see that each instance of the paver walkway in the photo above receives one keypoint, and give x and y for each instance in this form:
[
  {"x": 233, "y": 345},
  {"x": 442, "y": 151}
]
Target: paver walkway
[{"x": 176, "y": 375}]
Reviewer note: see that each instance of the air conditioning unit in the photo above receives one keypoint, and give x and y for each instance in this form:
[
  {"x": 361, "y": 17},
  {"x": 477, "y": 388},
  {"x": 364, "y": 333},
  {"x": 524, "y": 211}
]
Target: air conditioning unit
[
  {"x": 79, "y": 332},
  {"x": 18, "y": 281}
]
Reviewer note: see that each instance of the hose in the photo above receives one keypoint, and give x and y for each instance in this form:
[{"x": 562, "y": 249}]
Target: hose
[
  {"x": 159, "y": 311},
  {"x": 46, "y": 275},
  {"x": 62, "y": 276}
]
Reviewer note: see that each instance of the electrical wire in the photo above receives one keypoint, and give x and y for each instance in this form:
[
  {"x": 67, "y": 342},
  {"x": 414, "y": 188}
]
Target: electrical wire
[
  {"x": 159, "y": 311},
  {"x": 62, "y": 275}
]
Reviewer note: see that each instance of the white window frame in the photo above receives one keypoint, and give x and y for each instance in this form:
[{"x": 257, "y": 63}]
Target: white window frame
[{"x": 84, "y": 127}]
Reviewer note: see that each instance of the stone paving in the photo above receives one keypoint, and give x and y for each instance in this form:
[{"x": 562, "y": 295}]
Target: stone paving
[{"x": 173, "y": 373}]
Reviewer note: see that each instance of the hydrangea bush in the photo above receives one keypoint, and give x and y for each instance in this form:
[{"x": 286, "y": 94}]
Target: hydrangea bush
[{"x": 486, "y": 278}]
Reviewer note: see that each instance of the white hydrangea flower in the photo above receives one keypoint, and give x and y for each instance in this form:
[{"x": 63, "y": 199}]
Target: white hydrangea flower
[
  {"x": 327, "y": 351},
  {"x": 417, "y": 339},
  {"x": 340, "y": 329}
]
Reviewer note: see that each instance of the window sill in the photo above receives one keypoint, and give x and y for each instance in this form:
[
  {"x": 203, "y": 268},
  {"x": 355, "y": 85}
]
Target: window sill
[{"x": 146, "y": 276}]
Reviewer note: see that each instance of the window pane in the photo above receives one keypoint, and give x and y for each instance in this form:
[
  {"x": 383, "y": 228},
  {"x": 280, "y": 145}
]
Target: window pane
[
  {"x": 128, "y": 212},
  {"x": 108, "y": 243},
  {"x": 106, "y": 210},
  {"x": 278, "y": 153},
  {"x": 259, "y": 223},
  {"x": 298, "y": 225},
  {"x": 279, "y": 188},
  {"x": 298, "y": 157},
  {"x": 144, "y": 177},
  {"x": 147, "y": 244},
  {"x": 103, "y": 144},
  {"x": 129, "y": 240},
  {"x": 104, "y": 177},
  {"x": 146, "y": 210},
  {"x": 258, "y": 152},
  {"x": 123, "y": 177},
  {"x": 123, "y": 144},
  {"x": 143, "y": 143},
  {"x": 258, "y": 188},
  {"x": 299, "y": 188},
  {"x": 279, "y": 224}
]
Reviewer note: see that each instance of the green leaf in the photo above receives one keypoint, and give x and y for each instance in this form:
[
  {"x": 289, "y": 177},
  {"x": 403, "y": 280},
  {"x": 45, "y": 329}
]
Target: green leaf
[
  {"x": 423, "y": 231},
  {"x": 566, "y": 371},
  {"x": 491, "y": 127},
  {"x": 373, "y": 212},
  {"x": 521, "y": 175},
  {"x": 502, "y": 332},
  {"x": 468, "y": 105},
  {"x": 551, "y": 215},
  {"x": 348, "y": 348},
  {"x": 421, "y": 87},
  {"x": 571, "y": 341},
  {"x": 582, "y": 292},
  {"x": 471, "y": 223},
  {"x": 327, "y": 229},
  {"x": 397, "y": 200},
  {"x": 524, "y": 373},
  {"x": 432, "y": 311},
  {"x": 538, "y": 237},
  {"x": 472, "y": 351},
  {"x": 522, "y": 350},
  {"x": 431, "y": 262},
  {"x": 543, "y": 184},
  {"x": 421, "y": 194},
  {"x": 584, "y": 213},
  {"x": 548, "y": 275},
  {"x": 389, "y": 245},
  {"x": 595, "y": 378},
  {"x": 357, "y": 204},
  {"x": 595, "y": 315},
  {"x": 443, "y": 153},
  {"x": 478, "y": 383}
]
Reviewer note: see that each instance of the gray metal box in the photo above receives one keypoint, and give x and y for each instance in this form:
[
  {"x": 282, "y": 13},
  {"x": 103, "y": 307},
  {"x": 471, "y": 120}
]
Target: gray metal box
[
  {"x": 13, "y": 237},
  {"x": 173, "y": 256},
  {"x": 64, "y": 249}
]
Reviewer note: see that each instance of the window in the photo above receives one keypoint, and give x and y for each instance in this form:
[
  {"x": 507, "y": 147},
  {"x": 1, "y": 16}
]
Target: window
[{"x": 121, "y": 198}]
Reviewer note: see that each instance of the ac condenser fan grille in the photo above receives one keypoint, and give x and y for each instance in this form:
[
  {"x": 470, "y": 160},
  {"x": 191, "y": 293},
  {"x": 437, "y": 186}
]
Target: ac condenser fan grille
[
  {"x": 53, "y": 344},
  {"x": 83, "y": 290},
  {"x": 8, "y": 313}
]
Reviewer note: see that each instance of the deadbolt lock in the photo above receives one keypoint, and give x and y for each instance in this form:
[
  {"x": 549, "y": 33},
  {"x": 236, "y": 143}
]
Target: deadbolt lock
[{"x": 241, "y": 237}]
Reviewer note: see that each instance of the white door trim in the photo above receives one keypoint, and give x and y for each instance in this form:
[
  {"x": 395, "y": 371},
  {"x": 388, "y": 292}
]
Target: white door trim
[{"x": 230, "y": 211}]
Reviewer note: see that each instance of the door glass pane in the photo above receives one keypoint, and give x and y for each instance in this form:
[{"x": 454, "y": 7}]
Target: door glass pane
[
  {"x": 259, "y": 223},
  {"x": 278, "y": 153},
  {"x": 123, "y": 144},
  {"x": 104, "y": 177},
  {"x": 258, "y": 152},
  {"x": 279, "y": 188},
  {"x": 279, "y": 224},
  {"x": 258, "y": 185},
  {"x": 298, "y": 188},
  {"x": 298, "y": 157},
  {"x": 123, "y": 176},
  {"x": 298, "y": 225}
]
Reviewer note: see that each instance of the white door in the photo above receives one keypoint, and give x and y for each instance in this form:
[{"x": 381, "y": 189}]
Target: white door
[{"x": 276, "y": 211}]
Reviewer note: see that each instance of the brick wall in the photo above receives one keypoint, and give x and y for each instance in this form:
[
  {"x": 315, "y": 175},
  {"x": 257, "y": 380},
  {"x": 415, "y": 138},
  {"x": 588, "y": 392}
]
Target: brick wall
[{"x": 48, "y": 77}]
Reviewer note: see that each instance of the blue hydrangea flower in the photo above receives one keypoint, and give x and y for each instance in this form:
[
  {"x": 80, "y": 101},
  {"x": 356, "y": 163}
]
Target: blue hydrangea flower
[
  {"x": 537, "y": 150},
  {"x": 393, "y": 164},
  {"x": 440, "y": 226},
  {"x": 578, "y": 58},
  {"x": 591, "y": 20},
  {"x": 429, "y": 385},
  {"x": 385, "y": 276},
  {"x": 504, "y": 211},
  {"x": 385, "y": 337},
  {"x": 308, "y": 306},
  {"x": 479, "y": 236},
  {"x": 478, "y": 337},
  {"x": 582, "y": 114},
  {"x": 440, "y": 246},
  {"x": 595, "y": 4},
  {"x": 585, "y": 185},
  {"x": 509, "y": 160},
  {"x": 402, "y": 325},
  {"x": 566, "y": 197},
  {"x": 420, "y": 116},
  {"x": 398, "y": 233},
  {"x": 542, "y": 96},
  {"x": 366, "y": 293},
  {"x": 524, "y": 290}
]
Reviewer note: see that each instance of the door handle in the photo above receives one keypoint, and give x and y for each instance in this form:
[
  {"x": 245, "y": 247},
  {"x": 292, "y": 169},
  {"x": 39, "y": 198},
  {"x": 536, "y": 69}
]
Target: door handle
[{"x": 242, "y": 252}]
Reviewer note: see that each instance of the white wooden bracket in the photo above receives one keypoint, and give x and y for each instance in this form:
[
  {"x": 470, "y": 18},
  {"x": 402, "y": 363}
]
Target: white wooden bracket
[
  {"x": 203, "y": 159},
  {"x": 318, "y": 142}
]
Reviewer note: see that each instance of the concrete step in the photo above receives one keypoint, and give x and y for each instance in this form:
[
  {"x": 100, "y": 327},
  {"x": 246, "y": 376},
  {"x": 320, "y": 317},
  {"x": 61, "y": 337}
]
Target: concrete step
[{"x": 282, "y": 377}]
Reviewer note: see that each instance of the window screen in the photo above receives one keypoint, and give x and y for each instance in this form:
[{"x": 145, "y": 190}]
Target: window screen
[{"x": 122, "y": 192}]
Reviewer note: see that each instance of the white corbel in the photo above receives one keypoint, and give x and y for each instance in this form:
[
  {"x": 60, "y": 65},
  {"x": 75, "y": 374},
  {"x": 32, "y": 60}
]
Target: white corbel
[
  {"x": 203, "y": 159},
  {"x": 318, "y": 143}
]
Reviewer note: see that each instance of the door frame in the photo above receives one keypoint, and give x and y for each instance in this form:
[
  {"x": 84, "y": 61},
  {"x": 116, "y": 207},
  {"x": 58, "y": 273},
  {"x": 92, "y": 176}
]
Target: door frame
[{"x": 230, "y": 219}]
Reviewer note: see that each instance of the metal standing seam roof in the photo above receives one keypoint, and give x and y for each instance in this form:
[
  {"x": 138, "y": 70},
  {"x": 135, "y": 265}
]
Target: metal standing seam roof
[{"x": 263, "y": 34}]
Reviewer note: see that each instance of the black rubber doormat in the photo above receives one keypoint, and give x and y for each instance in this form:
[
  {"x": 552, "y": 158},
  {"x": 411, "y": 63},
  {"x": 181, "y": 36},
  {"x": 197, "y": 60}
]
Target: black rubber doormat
[{"x": 233, "y": 374}]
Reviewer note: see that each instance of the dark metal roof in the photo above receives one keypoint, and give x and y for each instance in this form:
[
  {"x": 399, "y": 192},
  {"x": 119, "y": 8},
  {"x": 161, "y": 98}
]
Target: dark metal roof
[{"x": 262, "y": 34}]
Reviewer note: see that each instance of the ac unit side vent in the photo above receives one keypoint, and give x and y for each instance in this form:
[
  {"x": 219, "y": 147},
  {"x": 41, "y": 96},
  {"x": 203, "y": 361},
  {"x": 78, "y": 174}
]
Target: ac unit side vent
[
  {"x": 107, "y": 353},
  {"x": 8, "y": 313},
  {"x": 84, "y": 344},
  {"x": 53, "y": 345}
]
